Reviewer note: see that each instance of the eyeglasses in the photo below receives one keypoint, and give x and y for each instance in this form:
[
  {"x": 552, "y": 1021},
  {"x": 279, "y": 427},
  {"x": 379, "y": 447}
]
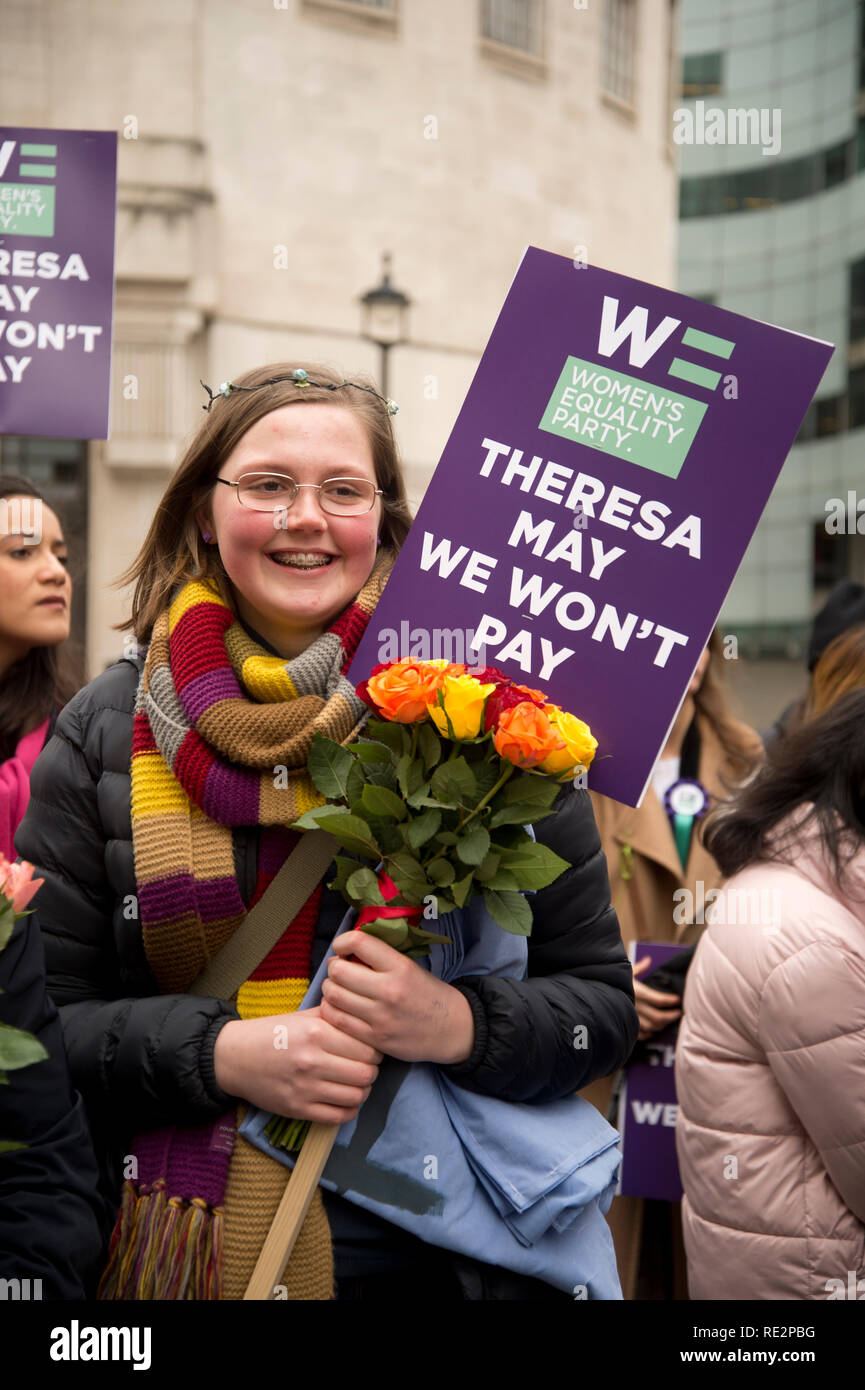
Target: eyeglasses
[{"x": 267, "y": 492}]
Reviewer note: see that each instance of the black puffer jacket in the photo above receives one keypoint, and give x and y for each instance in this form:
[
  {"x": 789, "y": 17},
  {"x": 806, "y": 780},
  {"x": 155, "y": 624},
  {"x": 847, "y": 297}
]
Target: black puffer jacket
[
  {"x": 142, "y": 1060},
  {"x": 49, "y": 1230}
]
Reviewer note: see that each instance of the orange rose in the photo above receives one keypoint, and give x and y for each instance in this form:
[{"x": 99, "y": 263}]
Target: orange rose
[
  {"x": 525, "y": 735},
  {"x": 403, "y": 691}
]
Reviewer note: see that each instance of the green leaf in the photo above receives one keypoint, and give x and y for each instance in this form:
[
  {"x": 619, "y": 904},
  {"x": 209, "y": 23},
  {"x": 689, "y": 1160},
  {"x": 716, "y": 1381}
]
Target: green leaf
[
  {"x": 444, "y": 904},
  {"x": 393, "y": 930},
  {"x": 379, "y": 801},
  {"x": 510, "y": 910},
  {"x": 536, "y": 866},
  {"x": 406, "y": 864},
  {"x": 329, "y": 764},
  {"x": 461, "y": 890},
  {"x": 7, "y": 925},
  {"x": 363, "y": 888},
  {"x": 474, "y": 845},
  {"x": 408, "y": 875},
  {"x": 387, "y": 834},
  {"x": 422, "y": 828},
  {"x": 19, "y": 1048},
  {"x": 531, "y": 787},
  {"x": 503, "y": 879},
  {"x": 354, "y": 785},
  {"x": 523, "y": 800},
  {"x": 409, "y": 773},
  {"x": 368, "y": 751},
  {"x": 310, "y": 819},
  {"x": 521, "y": 813},
  {"x": 344, "y": 869},
  {"x": 422, "y": 798},
  {"x": 429, "y": 745},
  {"x": 454, "y": 781},
  {"x": 441, "y": 872},
  {"x": 488, "y": 866},
  {"x": 447, "y": 838},
  {"x": 352, "y": 833},
  {"x": 379, "y": 775},
  {"x": 8, "y": 1145},
  {"x": 486, "y": 776},
  {"x": 394, "y": 736}
]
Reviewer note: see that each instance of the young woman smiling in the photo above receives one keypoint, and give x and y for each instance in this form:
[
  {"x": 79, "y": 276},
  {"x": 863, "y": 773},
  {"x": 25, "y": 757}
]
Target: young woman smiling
[{"x": 261, "y": 570}]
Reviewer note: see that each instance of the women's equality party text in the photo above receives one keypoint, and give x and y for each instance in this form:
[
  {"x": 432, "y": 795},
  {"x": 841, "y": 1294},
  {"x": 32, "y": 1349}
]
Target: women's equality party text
[{"x": 530, "y": 594}]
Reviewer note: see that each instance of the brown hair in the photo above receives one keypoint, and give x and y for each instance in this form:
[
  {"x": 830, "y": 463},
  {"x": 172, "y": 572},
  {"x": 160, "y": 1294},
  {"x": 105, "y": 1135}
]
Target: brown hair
[
  {"x": 42, "y": 681},
  {"x": 712, "y": 701},
  {"x": 841, "y": 667},
  {"x": 173, "y": 551}
]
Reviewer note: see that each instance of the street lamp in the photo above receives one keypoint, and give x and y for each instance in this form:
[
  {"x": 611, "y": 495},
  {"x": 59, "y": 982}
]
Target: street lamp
[{"x": 384, "y": 318}]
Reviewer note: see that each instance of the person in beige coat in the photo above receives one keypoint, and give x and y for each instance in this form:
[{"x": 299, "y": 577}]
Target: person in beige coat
[
  {"x": 770, "y": 1064},
  {"x": 657, "y": 898}
]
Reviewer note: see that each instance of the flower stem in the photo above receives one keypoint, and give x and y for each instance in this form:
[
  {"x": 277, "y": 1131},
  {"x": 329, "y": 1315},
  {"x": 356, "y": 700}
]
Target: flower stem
[{"x": 509, "y": 769}]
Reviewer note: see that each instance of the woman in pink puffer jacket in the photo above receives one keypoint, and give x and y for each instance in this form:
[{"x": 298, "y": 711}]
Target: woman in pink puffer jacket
[{"x": 770, "y": 1063}]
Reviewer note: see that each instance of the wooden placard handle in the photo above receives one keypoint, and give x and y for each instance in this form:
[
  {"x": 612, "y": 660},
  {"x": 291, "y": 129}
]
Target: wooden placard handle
[{"x": 291, "y": 1212}]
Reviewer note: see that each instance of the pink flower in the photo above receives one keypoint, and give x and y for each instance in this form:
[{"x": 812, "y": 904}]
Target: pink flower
[{"x": 17, "y": 883}]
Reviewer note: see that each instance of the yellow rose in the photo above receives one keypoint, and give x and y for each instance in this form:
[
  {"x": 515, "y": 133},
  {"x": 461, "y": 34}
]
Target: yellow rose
[
  {"x": 464, "y": 702},
  {"x": 579, "y": 746}
]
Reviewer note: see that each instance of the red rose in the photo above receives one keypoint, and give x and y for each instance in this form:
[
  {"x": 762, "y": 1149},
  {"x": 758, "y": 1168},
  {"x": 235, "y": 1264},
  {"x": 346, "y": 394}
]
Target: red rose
[{"x": 506, "y": 696}]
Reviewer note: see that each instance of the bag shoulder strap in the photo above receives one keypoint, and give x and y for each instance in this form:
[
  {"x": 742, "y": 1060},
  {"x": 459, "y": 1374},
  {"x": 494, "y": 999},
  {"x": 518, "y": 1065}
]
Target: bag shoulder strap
[{"x": 264, "y": 924}]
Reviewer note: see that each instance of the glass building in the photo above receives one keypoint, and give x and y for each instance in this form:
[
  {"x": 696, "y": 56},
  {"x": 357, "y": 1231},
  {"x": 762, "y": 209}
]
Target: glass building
[{"x": 772, "y": 225}]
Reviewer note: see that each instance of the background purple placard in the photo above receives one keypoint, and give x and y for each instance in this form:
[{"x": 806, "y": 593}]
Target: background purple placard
[
  {"x": 650, "y": 1167},
  {"x": 553, "y": 311},
  {"x": 63, "y": 393}
]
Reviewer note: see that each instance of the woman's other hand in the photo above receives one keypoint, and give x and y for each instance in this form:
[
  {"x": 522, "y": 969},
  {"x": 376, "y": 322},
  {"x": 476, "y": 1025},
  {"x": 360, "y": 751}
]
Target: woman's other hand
[
  {"x": 296, "y": 1065},
  {"x": 388, "y": 1001},
  {"x": 654, "y": 1010}
]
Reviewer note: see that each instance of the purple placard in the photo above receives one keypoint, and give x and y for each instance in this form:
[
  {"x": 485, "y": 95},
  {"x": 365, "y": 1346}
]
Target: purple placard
[
  {"x": 58, "y": 193},
  {"x": 648, "y": 1107},
  {"x": 602, "y": 481}
]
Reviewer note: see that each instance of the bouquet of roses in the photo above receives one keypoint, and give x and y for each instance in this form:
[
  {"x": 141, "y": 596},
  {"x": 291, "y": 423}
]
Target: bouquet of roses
[
  {"x": 17, "y": 1047},
  {"x": 436, "y": 794}
]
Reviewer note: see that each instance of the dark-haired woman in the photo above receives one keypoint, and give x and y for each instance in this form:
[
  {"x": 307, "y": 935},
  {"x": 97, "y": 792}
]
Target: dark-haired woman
[
  {"x": 770, "y": 1066},
  {"x": 35, "y": 599},
  {"x": 660, "y": 872},
  {"x": 49, "y": 1209}
]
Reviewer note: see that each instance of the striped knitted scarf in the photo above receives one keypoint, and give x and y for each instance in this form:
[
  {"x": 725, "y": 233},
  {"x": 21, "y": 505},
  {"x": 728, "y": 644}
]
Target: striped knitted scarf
[{"x": 222, "y": 730}]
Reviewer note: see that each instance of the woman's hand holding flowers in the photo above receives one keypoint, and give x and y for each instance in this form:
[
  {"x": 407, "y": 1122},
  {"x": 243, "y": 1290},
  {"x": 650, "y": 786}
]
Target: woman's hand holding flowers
[{"x": 384, "y": 999}]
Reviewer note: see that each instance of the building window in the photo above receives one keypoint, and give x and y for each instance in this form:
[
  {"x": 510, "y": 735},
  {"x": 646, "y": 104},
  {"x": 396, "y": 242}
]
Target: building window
[
  {"x": 830, "y": 416},
  {"x": 514, "y": 24},
  {"x": 618, "y": 46},
  {"x": 831, "y": 560},
  {"x": 856, "y": 330},
  {"x": 746, "y": 190},
  {"x": 364, "y": 15},
  {"x": 701, "y": 75},
  {"x": 856, "y": 398}
]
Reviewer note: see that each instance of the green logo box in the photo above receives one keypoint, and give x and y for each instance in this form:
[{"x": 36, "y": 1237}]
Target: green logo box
[
  {"x": 27, "y": 209},
  {"x": 621, "y": 415}
]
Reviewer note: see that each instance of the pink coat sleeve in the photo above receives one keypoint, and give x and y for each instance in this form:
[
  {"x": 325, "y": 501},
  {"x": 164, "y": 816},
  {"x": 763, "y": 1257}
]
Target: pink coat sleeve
[
  {"x": 812, "y": 1026},
  {"x": 15, "y": 786}
]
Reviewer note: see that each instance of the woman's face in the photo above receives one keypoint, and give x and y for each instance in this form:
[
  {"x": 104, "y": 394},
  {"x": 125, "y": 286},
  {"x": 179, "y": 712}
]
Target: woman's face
[
  {"x": 262, "y": 551},
  {"x": 35, "y": 587}
]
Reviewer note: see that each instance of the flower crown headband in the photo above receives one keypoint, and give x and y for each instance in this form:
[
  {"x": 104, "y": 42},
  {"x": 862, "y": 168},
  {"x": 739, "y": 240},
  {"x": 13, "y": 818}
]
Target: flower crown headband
[{"x": 300, "y": 378}]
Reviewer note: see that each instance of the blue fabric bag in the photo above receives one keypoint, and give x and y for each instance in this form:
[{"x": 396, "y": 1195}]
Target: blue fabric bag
[{"x": 521, "y": 1186}]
